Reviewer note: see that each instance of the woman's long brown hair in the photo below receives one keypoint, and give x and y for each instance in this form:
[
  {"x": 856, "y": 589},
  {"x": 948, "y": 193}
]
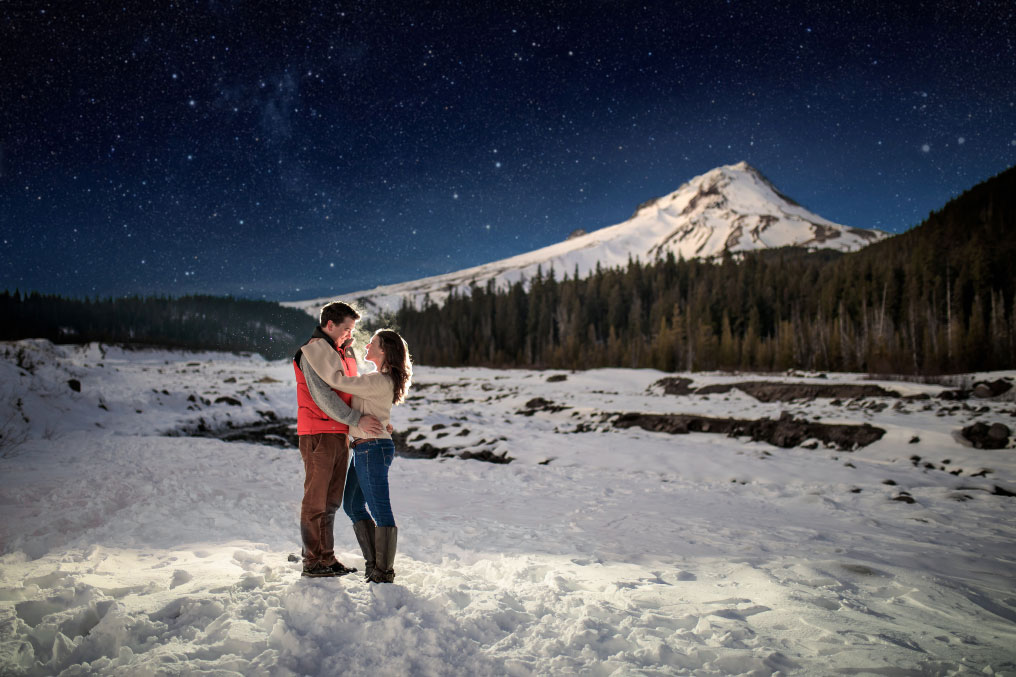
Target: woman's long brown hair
[{"x": 398, "y": 362}]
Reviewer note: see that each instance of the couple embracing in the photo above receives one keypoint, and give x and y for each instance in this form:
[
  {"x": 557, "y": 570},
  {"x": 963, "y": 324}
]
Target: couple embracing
[{"x": 341, "y": 412}]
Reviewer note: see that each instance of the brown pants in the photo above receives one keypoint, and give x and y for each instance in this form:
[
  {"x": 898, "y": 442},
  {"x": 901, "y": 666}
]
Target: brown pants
[{"x": 325, "y": 458}]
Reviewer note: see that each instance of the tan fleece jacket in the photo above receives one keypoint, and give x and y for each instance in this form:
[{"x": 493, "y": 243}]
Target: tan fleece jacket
[{"x": 372, "y": 393}]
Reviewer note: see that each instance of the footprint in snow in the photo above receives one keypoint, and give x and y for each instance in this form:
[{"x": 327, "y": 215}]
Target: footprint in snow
[
  {"x": 48, "y": 580},
  {"x": 741, "y": 614},
  {"x": 823, "y": 603},
  {"x": 248, "y": 561},
  {"x": 32, "y": 612}
]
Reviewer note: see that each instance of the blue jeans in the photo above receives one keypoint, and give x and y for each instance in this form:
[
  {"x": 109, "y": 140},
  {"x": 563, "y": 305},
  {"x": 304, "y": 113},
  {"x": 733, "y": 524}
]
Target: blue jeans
[{"x": 367, "y": 483}]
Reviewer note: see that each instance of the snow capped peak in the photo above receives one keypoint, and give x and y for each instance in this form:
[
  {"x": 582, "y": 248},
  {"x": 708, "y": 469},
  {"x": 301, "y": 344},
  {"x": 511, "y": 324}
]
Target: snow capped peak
[
  {"x": 733, "y": 170},
  {"x": 712, "y": 182},
  {"x": 732, "y": 208}
]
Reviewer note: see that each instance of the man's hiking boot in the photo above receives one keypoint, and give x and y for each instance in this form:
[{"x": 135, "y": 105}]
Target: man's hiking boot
[
  {"x": 318, "y": 571},
  {"x": 341, "y": 569}
]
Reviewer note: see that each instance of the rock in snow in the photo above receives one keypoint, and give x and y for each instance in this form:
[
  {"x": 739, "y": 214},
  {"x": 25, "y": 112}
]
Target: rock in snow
[{"x": 985, "y": 436}]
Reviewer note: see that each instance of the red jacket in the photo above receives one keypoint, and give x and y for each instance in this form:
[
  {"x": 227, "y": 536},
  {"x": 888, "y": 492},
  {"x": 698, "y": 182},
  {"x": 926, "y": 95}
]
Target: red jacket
[{"x": 310, "y": 420}]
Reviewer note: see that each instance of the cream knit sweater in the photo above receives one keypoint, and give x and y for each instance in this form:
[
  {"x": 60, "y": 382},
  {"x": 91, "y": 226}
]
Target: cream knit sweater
[{"x": 372, "y": 393}]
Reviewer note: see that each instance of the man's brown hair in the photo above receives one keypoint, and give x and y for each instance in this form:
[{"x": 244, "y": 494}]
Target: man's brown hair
[{"x": 337, "y": 312}]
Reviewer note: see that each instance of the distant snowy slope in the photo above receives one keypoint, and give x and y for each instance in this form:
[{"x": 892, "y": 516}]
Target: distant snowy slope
[{"x": 731, "y": 208}]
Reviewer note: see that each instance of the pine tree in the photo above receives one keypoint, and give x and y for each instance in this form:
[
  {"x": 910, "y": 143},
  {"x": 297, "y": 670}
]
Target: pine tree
[{"x": 729, "y": 357}]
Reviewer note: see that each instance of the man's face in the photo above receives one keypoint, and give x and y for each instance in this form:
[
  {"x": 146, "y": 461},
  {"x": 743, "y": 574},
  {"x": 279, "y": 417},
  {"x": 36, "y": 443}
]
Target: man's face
[{"x": 342, "y": 331}]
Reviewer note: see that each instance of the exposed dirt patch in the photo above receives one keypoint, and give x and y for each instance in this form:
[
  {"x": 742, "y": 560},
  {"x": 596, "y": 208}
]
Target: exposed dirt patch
[
  {"x": 673, "y": 385},
  {"x": 404, "y": 448},
  {"x": 488, "y": 456},
  {"x": 429, "y": 451},
  {"x": 539, "y": 404},
  {"x": 272, "y": 431},
  {"x": 784, "y": 432},
  {"x": 771, "y": 391},
  {"x": 774, "y": 391},
  {"x": 425, "y": 450}
]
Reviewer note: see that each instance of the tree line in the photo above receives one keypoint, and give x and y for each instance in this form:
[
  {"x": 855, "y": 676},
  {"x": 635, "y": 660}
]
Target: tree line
[
  {"x": 936, "y": 299},
  {"x": 189, "y": 322}
]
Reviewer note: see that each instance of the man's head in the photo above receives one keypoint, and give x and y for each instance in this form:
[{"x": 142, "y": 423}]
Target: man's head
[{"x": 337, "y": 320}]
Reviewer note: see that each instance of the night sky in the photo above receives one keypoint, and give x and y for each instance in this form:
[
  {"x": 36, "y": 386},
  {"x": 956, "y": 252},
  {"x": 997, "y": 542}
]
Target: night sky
[{"x": 289, "y": 150}]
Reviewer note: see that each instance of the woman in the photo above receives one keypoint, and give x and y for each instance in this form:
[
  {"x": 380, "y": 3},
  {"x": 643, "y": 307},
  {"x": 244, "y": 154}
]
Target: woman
[{"x": 367, "y": 477}]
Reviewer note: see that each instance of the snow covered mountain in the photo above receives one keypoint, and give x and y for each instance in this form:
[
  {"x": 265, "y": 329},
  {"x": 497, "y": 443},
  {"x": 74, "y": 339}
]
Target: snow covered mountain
[{"x": 733, "y": 208}]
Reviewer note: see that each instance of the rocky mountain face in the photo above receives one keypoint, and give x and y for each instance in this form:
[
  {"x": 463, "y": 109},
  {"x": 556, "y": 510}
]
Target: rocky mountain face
[{"x": 732, "y": 208}]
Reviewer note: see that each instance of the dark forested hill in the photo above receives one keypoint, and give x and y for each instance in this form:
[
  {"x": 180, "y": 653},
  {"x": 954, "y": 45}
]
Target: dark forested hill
[
  {"x": 938, "y": 298},
  {"x": 194, "y": 322}
]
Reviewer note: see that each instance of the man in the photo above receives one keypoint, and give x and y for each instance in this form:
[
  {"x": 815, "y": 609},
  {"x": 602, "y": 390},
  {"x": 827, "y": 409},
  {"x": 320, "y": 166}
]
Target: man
[{"x": 322, "y": 422}]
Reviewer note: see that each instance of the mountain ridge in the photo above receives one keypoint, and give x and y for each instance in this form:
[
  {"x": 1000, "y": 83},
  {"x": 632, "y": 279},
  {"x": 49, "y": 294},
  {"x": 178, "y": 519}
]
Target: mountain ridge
[
  {"x": 938, "y": 299},
  {"x": 732, "y": 208}
]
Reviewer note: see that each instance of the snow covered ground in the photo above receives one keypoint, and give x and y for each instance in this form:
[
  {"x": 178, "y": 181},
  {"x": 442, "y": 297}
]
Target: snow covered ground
[{"x": 596, "y": 551}]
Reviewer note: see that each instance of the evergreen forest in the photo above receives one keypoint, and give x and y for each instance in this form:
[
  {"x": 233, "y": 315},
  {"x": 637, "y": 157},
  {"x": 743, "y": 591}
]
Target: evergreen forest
[
  {"x": 939, "y": 298},
  {"x": 936, "y": 299},
  {"x": 190, "y": 322}
]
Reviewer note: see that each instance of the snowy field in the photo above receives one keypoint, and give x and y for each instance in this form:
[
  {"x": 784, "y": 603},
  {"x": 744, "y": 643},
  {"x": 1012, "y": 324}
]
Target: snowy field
[{"x": 597, "y": 550}]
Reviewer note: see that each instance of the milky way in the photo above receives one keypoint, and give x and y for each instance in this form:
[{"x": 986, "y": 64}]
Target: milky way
[{"x": 290, "y": 150}]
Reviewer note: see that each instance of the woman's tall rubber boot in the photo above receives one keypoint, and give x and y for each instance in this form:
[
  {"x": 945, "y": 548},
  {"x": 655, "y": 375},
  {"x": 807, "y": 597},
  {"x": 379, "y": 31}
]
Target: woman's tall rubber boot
[
  {"x": 364, "y": 531},
  {"x": 385, "y": 539}
]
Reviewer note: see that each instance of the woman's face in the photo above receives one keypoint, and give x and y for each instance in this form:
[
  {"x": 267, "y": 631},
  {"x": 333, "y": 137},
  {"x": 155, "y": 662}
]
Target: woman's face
[{"x": 374, "y": 352}]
